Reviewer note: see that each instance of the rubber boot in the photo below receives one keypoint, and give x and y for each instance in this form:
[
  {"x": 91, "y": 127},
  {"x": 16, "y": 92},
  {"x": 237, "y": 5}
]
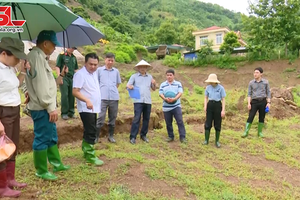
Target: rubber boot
[
  {"x": 110, "y": 138},
  {"x": 218, "y": 145},
  {"x": 10, "y": 174},
  {"x": 5, "y": 191},
  {"x": 260, "y": 127},
  {"x": 207, "y": 133},
  {"x": 89, "y": 154},
  {"x": 55, "y": 160},
  {"x": 40, "y": 164},
  {"x": 246, "y": 132}
]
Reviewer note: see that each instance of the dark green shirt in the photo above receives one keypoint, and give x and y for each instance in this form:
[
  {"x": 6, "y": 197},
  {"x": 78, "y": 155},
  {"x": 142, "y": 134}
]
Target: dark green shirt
[{"x": 70, "y": 61}]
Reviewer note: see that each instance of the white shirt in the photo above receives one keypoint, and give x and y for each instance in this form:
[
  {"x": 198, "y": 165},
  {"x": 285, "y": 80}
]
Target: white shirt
[
  {"x": 9, "y": 86},
  {"x": 89, "y": 87}
]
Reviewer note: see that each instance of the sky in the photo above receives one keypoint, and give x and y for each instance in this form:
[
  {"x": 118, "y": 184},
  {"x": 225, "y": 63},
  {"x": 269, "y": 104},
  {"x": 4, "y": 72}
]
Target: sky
[{"x": 234, "y": 5}]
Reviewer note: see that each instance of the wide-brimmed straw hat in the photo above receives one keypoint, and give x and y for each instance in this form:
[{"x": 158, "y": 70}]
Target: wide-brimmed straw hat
[
  {"x": 143, "y": 63},
  {"x": 212, "y": 78}
]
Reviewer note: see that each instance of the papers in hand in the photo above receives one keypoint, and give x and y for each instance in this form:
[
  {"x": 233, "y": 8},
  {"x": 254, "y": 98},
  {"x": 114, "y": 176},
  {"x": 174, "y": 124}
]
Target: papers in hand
[{"x": 134, "y": 93}]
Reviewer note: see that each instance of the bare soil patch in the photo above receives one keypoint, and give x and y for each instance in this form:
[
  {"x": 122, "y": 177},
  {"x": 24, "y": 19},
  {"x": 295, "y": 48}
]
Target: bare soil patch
[
  {"x": 137, "y": 181},
  {"x": 282, "y": 171}
]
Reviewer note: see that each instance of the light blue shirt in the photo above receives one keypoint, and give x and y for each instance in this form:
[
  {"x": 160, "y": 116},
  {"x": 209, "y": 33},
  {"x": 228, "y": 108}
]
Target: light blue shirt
[
  {"x": 144, "y": 84},
  {"x": 89, "y": 87},
  {"x": 215, "y": 93},
  {"x": 108, "y": 80},
  {"x": 174, "y": 87}
]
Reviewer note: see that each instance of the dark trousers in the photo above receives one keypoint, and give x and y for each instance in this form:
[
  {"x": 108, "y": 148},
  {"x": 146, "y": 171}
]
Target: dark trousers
[
  {"x": 112, "y": 107},
  {"x": 213, "y": 113},
  {"x": 259, "y": 106},
  {"x": 10, "y": 118},
  {"x": 67, "y": 98},
  {"x": 177, "y": 114},
  {"x": 140, "y": 108},
  {"x": 45, "y": 133},
  {"x": 89, "y": 127}
]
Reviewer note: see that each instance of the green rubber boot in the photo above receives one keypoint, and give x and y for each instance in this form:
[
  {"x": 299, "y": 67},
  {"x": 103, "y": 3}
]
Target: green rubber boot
[
  {"x": 55, "y": 160},
  {"x": 260, "y": 127},
  {"x": 218, "y": 145},
  {"x": 207, "y": 133},
  {"x": 89, "y": 154},
  {"x": 246, "y": 132},
  {"x": 40, "y": 164}
]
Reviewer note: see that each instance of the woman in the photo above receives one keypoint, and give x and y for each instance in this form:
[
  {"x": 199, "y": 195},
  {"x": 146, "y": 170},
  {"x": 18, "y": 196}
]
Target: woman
[
  {"x": 11, "y": 51},
  {"x": 214, "y": 106}
]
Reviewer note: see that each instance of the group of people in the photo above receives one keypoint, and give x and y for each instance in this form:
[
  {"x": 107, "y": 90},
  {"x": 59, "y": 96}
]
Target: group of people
[{"x": 96, "y": 91}]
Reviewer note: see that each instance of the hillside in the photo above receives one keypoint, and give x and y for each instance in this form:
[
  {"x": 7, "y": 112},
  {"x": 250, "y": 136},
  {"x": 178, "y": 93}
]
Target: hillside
[
  {"x": 142, "y": 19},
  {"x": 245, "y": 169}
]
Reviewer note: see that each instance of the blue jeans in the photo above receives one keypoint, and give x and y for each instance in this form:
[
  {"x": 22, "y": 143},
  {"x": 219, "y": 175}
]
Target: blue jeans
[
  {"x": 140, "y": 108},
  {"x": 45, "y": 133},
  {"x": 177, "y": 113}
]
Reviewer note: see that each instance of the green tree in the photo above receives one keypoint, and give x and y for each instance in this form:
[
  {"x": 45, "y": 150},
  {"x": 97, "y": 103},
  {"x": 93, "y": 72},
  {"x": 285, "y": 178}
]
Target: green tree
[
  {"x": 81, "y": 12},
  {"x": 166, "y": 33},
  {"x": 230, "y": 42},
  {"x": 206, "y": 50},
  {"x": 186, "y": 37},
  {"x": 275, "y": 22}
]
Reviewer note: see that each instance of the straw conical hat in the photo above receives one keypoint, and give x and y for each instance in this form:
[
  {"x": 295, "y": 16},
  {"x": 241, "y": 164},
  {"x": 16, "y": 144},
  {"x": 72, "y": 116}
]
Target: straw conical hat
[
  {"x": 212, "y": 78},
  {"x": 143, "y": 63}
]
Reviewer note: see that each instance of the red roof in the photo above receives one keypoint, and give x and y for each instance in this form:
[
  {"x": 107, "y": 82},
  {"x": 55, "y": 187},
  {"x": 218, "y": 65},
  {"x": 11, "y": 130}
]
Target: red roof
[{"x": 211, "y": 28}]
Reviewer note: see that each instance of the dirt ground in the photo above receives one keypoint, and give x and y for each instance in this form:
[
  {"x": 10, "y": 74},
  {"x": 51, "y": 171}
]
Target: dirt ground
[
  {"x": 274, "y": 71},
  {"x": 71, "y": 131}
]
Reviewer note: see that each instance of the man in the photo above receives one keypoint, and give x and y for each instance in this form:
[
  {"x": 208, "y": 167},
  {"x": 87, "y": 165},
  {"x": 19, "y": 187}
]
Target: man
[
  {"x": 42, "y": 105},
  {"x": 67, "y": 99},
  {"x": 87, "y": 92},
  {"x": 109, "y": 80},
  {"x": 170, "y": 91},
  {"x": 259, "y": 97},
  {"x": 24, "y": 90},
  {"x": 144, "y": 82}
]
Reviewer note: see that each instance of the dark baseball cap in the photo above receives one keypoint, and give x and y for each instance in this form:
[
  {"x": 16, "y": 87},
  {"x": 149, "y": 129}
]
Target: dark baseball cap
[
  {"x": 14, "y": 45},
  {"x": 48, "y": 35}
]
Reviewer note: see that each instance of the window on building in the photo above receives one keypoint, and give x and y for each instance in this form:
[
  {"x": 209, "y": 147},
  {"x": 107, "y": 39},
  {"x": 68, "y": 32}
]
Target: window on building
[
  {"x": 203, "y": 40},
  {"x": 219, "y": 38}
]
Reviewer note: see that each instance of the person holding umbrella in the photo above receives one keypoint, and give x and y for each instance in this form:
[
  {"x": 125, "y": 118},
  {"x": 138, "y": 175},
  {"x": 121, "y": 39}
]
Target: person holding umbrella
[
  {"x": 42, "y": 92},
  {"x": 214, "y": 107},
  {"x": 66, "y": 84},
  {"x": 144, "y": 82},
  {"x": 11, "y": 52}
]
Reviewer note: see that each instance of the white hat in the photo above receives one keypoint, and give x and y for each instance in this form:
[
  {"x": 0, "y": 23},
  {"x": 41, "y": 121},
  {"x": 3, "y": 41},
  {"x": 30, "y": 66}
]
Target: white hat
[
  {"x": 143, "y": 63},
  {"x": 212, "y": 78}
]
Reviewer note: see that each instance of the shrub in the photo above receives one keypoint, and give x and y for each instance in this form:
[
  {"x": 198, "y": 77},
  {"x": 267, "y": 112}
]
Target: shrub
[
  {"x": 89, "y": 49},
  {"x": 122, "y": 57},
  {"x": 199, "y": 90},
  {"x": 171, "y": 61},
  {"x": 128, "y": 50},
  {"x": 150, "y": 57},
  {"x": 140, "y": 49}
]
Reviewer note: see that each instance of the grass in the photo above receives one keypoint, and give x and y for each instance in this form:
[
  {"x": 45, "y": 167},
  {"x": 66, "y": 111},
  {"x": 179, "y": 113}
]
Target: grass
[
  {"x": 243, "y": 169},
  {"x": 290, "y": 70}
]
